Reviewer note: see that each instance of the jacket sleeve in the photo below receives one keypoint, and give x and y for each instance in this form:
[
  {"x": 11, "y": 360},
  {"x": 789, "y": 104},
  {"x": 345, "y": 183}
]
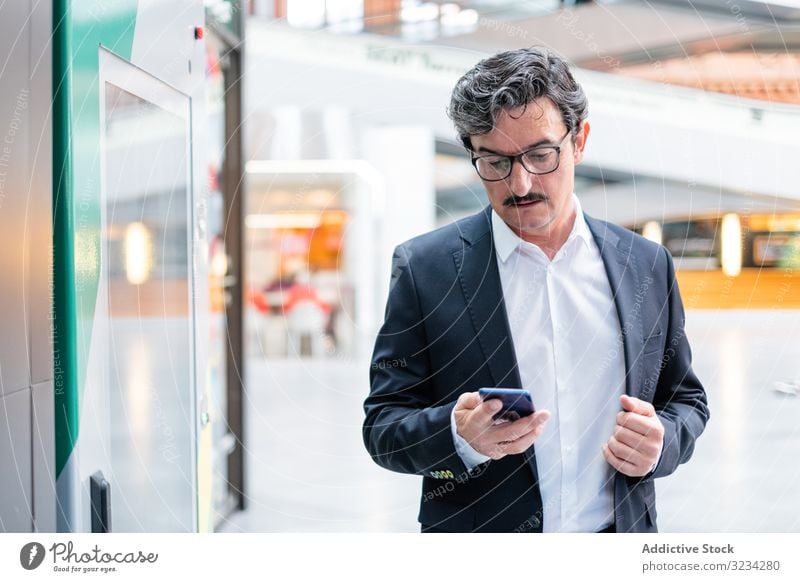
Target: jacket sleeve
[
  {"x": 680, "y": 400},
  {"x": 406, "y": 429}
]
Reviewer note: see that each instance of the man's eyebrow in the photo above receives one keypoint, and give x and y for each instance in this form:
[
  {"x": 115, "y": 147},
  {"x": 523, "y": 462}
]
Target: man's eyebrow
[{"x": 541, "y": 142}]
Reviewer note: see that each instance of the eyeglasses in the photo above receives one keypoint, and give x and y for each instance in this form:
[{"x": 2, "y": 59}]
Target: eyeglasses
[{"x": 539, "y": 160}]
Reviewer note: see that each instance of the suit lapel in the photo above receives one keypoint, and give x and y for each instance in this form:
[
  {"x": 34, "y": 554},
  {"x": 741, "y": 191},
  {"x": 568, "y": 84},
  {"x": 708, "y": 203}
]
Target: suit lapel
[
  {"x": 623, "y": 277},
  {"x": 480, "y": 282},
  {"x": 483, "y": 292}
]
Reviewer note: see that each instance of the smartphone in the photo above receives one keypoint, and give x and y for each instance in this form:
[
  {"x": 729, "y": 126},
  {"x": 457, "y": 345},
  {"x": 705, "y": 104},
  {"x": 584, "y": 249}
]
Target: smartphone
[{"x": 517, "y": 403}]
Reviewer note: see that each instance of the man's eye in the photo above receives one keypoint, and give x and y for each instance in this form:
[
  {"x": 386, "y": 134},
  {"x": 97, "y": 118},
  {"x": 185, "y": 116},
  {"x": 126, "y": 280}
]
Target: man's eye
[
  {"x": 538, "y": 157},
  {"x": 497, "y": 162}
]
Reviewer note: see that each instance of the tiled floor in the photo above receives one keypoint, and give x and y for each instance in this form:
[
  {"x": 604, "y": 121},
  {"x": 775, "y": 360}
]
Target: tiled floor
[{"x": 308, "y": 469}]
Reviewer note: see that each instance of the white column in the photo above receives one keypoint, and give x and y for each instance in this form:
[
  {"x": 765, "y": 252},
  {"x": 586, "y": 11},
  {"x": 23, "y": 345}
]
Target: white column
[{"x": 404, "y": 156}]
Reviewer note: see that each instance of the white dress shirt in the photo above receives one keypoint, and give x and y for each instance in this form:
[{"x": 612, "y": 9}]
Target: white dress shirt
[{"x": 568, "y": 344}]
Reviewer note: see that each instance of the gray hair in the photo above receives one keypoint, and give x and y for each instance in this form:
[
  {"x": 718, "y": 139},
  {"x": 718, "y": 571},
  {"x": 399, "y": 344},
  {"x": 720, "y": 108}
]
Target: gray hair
[{"x": 514, "y": 79}]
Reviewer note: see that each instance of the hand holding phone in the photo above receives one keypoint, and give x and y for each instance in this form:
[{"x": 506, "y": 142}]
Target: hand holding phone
[
  {"x": 517, "y": 403},
  {"x": 475, "y": 414}
]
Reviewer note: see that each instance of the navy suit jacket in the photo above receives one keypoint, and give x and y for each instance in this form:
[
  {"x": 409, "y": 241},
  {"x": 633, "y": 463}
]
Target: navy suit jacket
[{"x": 446, "y": 332}]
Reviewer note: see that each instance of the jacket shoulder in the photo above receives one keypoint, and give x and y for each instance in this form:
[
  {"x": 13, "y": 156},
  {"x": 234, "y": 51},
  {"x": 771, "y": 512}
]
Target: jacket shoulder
[
  {"x": 447, "y": 239},
  {"x": 630, "y": 241}
]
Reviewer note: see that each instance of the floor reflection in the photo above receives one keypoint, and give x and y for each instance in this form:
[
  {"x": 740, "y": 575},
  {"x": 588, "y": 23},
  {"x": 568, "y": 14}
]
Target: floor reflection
[
  {"x": 308, "y": 470},
  {"x": 150, "y": 426}
]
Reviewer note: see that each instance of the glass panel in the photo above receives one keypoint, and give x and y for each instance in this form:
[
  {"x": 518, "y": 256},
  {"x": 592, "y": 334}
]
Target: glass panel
[{"x": 148, "y": 268}]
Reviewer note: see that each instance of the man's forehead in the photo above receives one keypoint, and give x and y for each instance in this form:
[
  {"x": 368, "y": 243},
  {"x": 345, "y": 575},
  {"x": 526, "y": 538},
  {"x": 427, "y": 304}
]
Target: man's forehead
[{"x": 520, "y": 128}]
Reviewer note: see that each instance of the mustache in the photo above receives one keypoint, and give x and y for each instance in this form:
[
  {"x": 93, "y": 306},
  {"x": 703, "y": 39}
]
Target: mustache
[{"x": 529, "y": 197}]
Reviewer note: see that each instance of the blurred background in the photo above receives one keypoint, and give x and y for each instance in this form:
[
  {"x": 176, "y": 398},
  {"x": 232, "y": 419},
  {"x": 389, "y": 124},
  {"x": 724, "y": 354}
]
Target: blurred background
[{"x": 222, "y": 239}]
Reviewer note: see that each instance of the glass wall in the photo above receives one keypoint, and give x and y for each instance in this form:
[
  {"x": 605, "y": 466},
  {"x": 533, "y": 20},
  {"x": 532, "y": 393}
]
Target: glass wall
[{"x": 146, "y": 190}]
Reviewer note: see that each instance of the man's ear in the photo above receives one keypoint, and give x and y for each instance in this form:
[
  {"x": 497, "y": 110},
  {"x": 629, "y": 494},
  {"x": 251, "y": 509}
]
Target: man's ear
[{"x": 580, "y": 142}]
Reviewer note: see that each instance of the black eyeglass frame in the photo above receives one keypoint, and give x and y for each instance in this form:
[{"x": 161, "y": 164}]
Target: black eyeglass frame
[{"x": 518, "y": 158}]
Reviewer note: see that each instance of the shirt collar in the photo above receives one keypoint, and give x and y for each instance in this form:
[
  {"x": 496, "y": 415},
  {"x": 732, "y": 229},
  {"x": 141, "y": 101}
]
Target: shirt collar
[{"x": 506, "y": 240}]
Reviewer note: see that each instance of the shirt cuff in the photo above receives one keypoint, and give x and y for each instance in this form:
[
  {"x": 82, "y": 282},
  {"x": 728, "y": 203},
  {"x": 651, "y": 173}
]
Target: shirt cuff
[
  {"x": 469, "y": 456},
  {"x": 660, "y": 454}
]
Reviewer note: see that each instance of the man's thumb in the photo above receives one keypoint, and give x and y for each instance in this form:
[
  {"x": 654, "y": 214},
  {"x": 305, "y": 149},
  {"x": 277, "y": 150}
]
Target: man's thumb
[
  {"x": 632, "y": 404},
  {"x": 468, "y": 400}
]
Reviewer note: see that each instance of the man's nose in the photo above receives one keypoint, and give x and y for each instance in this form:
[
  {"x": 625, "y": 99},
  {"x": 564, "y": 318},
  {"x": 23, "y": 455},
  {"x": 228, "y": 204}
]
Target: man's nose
[{"x": 520, "y": 180}]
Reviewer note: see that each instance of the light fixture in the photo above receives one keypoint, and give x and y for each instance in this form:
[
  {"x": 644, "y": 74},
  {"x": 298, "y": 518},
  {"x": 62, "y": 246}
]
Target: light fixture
[
  {"x": 731, "y": 238},
  {"x": 652, "y": 231},
  {"x": 138, "y": 253}
]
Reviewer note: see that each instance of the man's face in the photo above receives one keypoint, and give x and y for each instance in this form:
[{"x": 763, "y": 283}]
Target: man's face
[{"x": 532, "y": 204}]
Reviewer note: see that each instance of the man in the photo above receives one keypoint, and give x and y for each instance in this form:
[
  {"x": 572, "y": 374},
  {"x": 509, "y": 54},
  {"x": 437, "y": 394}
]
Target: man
[{"x": 531, "y": 293}]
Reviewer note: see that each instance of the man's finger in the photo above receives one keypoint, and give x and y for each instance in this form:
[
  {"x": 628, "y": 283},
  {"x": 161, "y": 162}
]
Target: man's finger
[
  {"x": 636, "y": 422},
  {"x": 624, "y": 452},
  {"x": 620, "y": 465},
  {"x": 638, "y": 406},
  {"x": 630, "y": 437},
  {"x": 512, "y": 431},
  {"x": 523, "y": 444},
  {"x": 479, "y": 418},
  {"x": 468, "y": 401}
]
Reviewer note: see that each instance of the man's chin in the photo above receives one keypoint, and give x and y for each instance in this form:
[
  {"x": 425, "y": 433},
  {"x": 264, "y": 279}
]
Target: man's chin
[{"x": 530, "y": 224}]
